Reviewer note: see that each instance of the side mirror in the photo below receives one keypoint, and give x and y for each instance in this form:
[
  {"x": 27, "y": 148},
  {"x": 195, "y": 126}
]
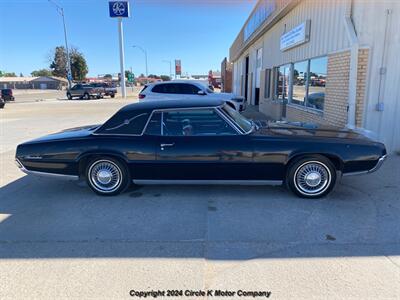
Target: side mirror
[{"x": 201, "y": 93}]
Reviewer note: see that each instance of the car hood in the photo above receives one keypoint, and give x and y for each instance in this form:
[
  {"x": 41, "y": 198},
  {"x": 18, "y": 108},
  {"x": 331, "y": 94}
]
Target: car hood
[
  {"x": 76, "y": 132},
  {"x": 301, "y": 129}
]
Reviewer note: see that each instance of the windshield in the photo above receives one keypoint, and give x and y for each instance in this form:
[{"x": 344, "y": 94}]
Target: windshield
[{"x": 245, "y": 124}]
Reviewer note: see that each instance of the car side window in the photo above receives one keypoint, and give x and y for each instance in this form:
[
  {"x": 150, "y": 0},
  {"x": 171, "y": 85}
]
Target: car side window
[
  {"x": 154, "y": 125},
  {"x": 159, "y": 88},
  {"x": 195, "y": 122},
  {"x": 189, "y": 89}
]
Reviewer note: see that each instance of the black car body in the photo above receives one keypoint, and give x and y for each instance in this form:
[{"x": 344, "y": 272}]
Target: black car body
[
  {"x": 7, "y": 95},
  {"x": 2, "y": 103},
  {"x": 201, "y": 142}
]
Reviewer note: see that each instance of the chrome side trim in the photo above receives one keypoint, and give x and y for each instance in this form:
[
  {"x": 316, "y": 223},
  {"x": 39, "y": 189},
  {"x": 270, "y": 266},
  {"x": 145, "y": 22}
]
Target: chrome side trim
[
  {"x": 44, "y": 174},
  {"x": 376, "y": 168},
  {"x": 206, "y": 182}
]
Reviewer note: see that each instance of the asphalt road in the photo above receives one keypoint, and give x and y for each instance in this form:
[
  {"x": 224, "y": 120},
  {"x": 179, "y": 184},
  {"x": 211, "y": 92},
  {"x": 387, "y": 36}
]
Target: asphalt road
[{"x": 59, "y": 240}]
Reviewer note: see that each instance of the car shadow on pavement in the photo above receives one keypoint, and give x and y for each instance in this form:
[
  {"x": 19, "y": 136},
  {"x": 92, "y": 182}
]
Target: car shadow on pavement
[{"x": 48, "y": 218}]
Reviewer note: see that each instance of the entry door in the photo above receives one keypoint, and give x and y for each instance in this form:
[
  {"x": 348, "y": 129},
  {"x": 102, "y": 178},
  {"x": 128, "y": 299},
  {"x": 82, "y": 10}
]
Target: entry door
[{"x": 199, "y": 145}]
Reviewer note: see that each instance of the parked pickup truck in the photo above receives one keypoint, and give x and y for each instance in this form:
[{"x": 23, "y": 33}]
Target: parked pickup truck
[
  {"x": 108, "y": 89},
  {"x": 84, "y": 91}
]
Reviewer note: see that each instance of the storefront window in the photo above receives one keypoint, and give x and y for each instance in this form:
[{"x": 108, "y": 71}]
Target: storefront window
[
  {"x": 282, "y": 83},
  {"x": 305, "y": 86},
  {"x": 317, "y": 82},
  {"x": 300, "y": 82}
]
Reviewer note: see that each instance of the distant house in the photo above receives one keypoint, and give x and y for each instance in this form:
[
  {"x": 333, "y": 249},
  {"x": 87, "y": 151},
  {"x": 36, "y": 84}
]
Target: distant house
[{"x": 42, "y": 82}]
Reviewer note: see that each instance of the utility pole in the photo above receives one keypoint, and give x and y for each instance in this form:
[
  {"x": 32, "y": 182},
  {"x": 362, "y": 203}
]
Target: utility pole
[
  {"x": 170, "y": 67},
  {"x": 60, "y": 10},
  {"x": 145, "y": 57}
]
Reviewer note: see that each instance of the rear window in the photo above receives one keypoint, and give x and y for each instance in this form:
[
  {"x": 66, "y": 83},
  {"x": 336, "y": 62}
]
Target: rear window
[
  {"x": 145, "y": 87},
  {"x": 129, "y": 125}
]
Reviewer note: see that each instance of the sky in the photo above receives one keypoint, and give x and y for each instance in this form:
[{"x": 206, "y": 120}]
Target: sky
[{"x": 199, "y": 32}]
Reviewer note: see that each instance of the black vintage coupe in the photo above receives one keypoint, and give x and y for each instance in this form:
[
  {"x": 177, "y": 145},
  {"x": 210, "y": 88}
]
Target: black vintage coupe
[{"x": 206, "y": 142}]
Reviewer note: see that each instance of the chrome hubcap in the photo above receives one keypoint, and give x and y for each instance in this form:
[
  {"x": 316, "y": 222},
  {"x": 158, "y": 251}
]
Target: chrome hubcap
[
  {"x": 312, "y": 178},
  {"x": 105, "y": 175}
]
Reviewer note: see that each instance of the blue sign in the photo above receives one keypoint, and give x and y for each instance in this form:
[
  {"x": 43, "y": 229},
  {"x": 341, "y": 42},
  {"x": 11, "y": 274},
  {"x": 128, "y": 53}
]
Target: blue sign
[{"x": 119, "y": 9}]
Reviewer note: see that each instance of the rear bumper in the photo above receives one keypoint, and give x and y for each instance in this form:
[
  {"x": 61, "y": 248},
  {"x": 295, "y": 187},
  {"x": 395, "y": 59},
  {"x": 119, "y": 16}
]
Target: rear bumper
[{"x": 375, "y": 168}]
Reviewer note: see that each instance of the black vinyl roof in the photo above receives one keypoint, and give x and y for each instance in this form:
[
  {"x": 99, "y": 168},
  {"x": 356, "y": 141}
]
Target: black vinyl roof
[{"x": 150, "y": 105}]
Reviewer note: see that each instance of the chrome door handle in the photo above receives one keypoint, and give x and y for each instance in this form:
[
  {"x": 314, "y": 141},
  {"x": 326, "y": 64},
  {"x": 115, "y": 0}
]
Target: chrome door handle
[{"x": 166, "y": 145}]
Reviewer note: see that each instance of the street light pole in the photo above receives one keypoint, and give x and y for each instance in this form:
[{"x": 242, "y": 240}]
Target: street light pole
[
  {"x": 60, "y": 10},
  {"x": 145, "y": 56},
  {"x": 170, "y": 67}
]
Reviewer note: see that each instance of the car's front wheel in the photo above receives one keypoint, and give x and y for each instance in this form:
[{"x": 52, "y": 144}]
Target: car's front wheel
[
  {"x": 107, "y": 176},
  {"x": 311, "y": 177},
  {"x": 86, "y": 96},
  {"x": 69, "y": 96}
]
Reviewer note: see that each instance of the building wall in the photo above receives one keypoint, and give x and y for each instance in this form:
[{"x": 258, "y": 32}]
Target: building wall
[
  {"x": 362, "y": 69},
  {"x": 377, "y": 25},
  {"x": 327, "y": 35}
]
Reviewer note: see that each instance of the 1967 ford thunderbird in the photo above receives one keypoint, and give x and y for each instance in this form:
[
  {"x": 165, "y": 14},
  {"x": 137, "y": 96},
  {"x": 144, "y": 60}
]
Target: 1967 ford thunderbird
[{"x": 200, "y": 142}]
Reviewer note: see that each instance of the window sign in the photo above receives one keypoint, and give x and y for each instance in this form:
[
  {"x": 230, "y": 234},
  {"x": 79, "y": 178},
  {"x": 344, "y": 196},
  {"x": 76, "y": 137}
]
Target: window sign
[
  {"x": 297, "y": 36},
  {"x": 264, "y": 9}
]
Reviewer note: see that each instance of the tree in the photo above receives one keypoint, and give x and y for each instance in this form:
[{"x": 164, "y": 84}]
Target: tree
[
  {"x": 9, "y": 74},
  {"x": 58, "y": 65},
  {"x": 21, "y": 75},
  {"x": 108, "y": 77},
  {"x": 79, "y": 68},
  {"x": 165, "y": 78},
  {"x": 41, "y": 72}
]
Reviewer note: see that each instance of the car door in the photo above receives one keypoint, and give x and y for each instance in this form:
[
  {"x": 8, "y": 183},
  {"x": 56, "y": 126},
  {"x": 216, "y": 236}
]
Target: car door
[
  {"x": 198, "y": 144},
  {"x": 75, "y": 91}
]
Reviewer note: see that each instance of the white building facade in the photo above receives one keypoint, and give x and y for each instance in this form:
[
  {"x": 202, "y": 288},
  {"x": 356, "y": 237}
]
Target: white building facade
[{"x": 329, "y": 62}]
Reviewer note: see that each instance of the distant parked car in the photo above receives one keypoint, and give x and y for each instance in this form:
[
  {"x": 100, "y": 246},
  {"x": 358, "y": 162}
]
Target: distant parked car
[
  {"x": 84, "y": 91},
  {"x": 187, "y": 89},
  {"x": 108, "y": 89},
  {"x": 2, "y": 103},
  {"x": 7, "y": 95}
]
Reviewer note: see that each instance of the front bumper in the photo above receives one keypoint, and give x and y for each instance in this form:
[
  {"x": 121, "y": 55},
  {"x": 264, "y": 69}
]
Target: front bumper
[{"x": 45, "y": 174}]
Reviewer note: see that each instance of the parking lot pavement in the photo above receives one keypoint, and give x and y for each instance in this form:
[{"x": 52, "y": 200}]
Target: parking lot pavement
[{"x": 59, "y": 240}]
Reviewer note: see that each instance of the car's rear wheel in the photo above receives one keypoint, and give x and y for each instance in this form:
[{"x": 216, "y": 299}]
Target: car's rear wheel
[
  {"x": 86, "y": 96},
  {"x": 311, "y": 176},
  {"x": 69, "y": 96},
  {"x": 107, "y": 176},
  {"x": 112, "y": 96}
]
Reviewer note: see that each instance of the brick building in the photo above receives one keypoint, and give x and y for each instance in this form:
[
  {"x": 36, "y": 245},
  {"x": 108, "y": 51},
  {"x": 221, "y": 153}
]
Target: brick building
[{"x": 329, "y": 62}]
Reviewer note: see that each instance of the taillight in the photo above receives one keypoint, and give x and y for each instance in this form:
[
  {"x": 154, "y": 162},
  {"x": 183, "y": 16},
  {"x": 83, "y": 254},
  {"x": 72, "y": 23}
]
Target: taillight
[{"x": 141, "y": 96}]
